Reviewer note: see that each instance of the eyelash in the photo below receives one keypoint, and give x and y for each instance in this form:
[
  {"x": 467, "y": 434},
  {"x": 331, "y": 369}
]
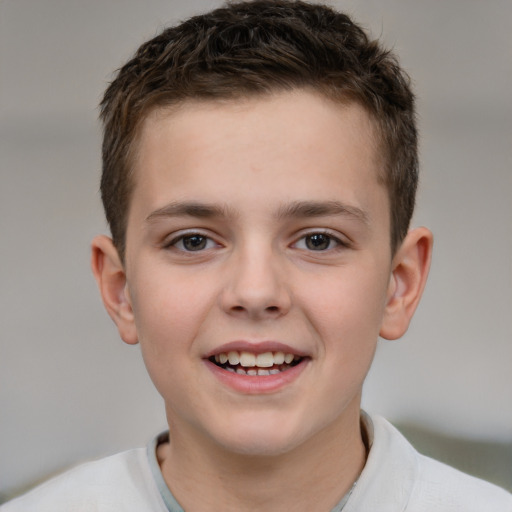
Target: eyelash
[
  {"x": 205, "y": 242},
  {"x": 175, "y": 242},
  {"x": 339, "y": 244}
]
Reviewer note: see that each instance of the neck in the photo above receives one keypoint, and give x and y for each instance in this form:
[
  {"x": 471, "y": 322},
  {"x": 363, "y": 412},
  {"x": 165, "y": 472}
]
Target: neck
[{"x": 312, "y": 476}]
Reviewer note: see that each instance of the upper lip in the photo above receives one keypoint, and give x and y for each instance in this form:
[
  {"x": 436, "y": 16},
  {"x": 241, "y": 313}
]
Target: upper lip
[{"x": 259, "y": 347}]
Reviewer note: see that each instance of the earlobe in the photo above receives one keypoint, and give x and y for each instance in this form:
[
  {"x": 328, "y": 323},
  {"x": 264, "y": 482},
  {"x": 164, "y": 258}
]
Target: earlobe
[
  {"x": 407, "y": 282},
  {"x": 110, "y": 276}
]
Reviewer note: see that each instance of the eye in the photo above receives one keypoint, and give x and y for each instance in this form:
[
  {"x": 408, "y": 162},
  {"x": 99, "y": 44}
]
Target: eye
[
  {"x": 192, "y": 242},
  {"x": 318, "y": 242}
]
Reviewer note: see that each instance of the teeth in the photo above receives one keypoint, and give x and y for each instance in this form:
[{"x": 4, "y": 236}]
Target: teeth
[
  {"x": 247, "y": 359},
  {"x": 250, "y": 360},
  {"x": 279, "y": 358},
  {"x": 233, "y": 358},
  {"x": 265, "y": 360}
]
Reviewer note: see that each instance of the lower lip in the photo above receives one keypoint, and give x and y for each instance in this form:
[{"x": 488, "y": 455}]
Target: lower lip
[{"x": 257, "y": 384}]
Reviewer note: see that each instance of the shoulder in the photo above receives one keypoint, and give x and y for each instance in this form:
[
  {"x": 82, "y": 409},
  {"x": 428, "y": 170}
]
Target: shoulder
[
  {"x": 119, "y": 482},
  {"x": 441, "y": 487},
  {"x": 397, "y": 477}
]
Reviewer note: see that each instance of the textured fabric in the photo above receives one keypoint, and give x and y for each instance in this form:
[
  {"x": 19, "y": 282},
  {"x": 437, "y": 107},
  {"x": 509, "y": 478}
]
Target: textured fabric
[
  {"x": 169, "y": 500},
  {"x": 122, "y": 482},
  {"x": 395, "y": 478}
]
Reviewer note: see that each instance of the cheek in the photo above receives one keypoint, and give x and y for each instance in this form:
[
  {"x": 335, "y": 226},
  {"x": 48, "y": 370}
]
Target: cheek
[
  {"x": 166, "y": 303},
  {"x": 167, "y": 315},
  {"x": 347, "y": 309},
  {"x": 169, "y": 311}
]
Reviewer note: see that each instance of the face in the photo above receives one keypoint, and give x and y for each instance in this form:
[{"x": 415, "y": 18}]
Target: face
[{"x": 258, "y": 267}]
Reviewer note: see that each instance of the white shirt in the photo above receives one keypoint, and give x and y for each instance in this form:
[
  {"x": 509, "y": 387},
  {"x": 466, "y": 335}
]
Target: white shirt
[{"x": 396, "y": 478}]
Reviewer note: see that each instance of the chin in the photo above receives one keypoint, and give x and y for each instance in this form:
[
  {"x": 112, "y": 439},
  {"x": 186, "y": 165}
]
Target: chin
[
  {"x": 260, "y": 438},
  {"x": 262, "y": 446}
]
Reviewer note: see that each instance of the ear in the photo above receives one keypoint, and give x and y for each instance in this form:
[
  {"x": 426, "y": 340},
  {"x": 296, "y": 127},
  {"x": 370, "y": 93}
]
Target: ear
[
  {"x": 110, "y": 275},
  {"x": 409, "y": 273}
]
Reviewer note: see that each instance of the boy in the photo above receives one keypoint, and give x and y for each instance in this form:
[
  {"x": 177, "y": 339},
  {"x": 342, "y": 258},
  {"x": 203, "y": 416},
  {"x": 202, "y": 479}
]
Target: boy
[{"x": 259, "y": 175}]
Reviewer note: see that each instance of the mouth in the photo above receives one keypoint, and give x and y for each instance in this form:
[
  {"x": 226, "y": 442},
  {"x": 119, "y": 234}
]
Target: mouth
[{"x": 251, "y": 364}]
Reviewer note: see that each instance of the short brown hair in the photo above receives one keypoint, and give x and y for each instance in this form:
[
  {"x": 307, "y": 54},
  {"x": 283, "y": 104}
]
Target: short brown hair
[{"x": 256, "y": 48}]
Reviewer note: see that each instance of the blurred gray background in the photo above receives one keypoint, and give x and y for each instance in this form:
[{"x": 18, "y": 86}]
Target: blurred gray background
[{"x": 71, "y": 390}]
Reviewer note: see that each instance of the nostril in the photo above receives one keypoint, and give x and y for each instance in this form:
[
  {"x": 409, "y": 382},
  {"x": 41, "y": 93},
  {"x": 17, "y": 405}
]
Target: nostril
[{"x": 272, "y": 309}]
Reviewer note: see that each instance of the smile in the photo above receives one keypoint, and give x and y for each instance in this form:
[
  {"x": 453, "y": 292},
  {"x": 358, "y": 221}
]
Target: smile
[{"x": 248, "y": 363}]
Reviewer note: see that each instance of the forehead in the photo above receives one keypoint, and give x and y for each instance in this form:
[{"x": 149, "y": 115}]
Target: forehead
[
  {"x": 283, "y": 145},
  {"x": 292, "y": 103},
  {"x": 301, "y": 113}
]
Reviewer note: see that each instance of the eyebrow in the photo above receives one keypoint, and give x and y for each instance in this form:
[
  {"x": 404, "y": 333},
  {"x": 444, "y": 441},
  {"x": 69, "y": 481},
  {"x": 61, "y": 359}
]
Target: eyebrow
[
  {"x": 322, "y": 208},
  {"x": 297, "y": 209},
  {"x": 187, "y": 209}
]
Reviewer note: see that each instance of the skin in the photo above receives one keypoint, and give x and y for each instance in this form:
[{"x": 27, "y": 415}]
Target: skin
[{"x": 256, "y": 182}]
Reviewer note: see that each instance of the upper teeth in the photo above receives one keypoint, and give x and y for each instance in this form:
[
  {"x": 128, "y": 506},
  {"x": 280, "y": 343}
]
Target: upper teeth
[{"x": 248, "y": 359}]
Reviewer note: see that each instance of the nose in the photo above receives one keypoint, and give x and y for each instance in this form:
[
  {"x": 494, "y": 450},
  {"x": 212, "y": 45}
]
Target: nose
[{"x": 256, "y": 287}]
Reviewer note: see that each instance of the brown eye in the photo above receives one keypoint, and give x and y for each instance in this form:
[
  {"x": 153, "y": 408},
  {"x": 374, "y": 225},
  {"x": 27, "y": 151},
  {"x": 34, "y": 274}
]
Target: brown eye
[
  {"x": 318, "y": 242},
  {"x": 194, "y": 242}
]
